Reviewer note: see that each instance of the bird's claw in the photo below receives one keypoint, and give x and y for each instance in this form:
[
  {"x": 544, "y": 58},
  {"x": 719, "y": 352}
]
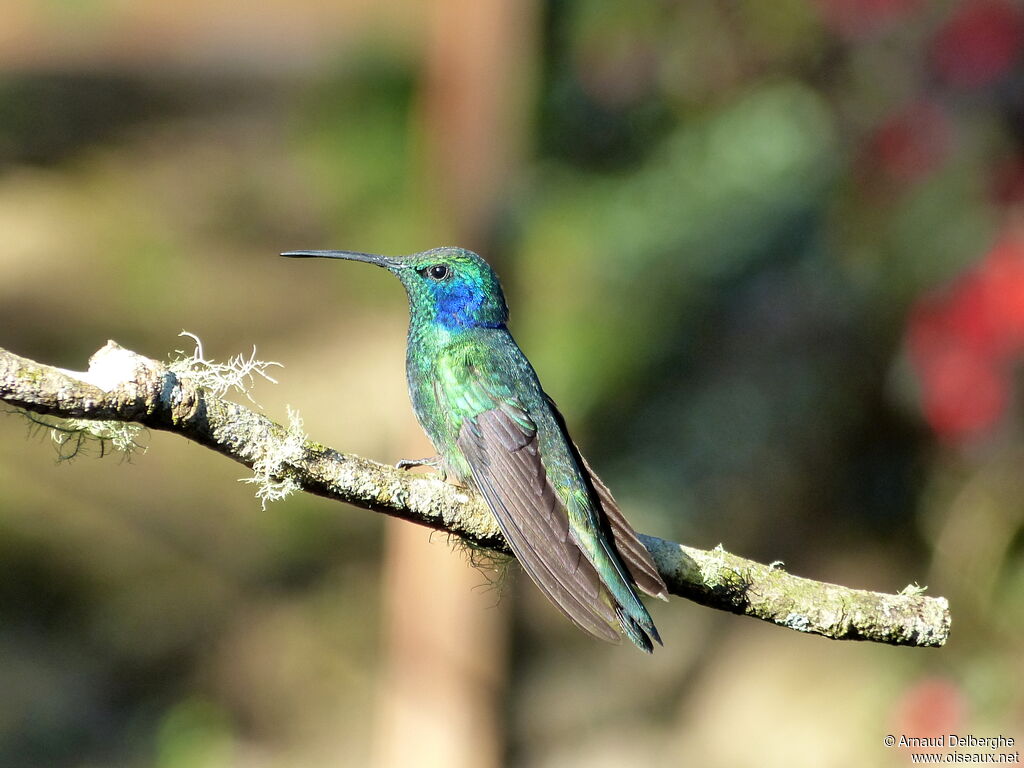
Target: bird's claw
[{"x": 434, "y": 462}]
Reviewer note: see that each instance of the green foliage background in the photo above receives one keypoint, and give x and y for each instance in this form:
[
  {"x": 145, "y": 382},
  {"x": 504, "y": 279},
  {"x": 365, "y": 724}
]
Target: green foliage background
[{"x": 710, "y": 261}]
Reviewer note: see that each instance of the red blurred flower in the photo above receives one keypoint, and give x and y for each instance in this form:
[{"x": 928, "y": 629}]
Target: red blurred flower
[
  {"x": 979, "y": 43},
  {"x": 858, "y": 18},
  {"x": 930, "y": 708},
  {"x": 1008, "y": 186},
  {"x": 964, "y": 342},
  {"x": 911, "y": 143}
]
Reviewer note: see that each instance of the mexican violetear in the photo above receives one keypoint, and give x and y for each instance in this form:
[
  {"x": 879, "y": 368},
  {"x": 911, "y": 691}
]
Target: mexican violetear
[{"x": 478, "y": 399}]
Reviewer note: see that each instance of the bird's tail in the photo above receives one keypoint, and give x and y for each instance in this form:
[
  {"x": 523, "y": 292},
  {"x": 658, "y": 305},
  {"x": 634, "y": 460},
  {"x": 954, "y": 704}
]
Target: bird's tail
[
  {"x": 636, "y": 623},
  {"x": 627, "y": 564},
  {"x": 633, "y": 616}
]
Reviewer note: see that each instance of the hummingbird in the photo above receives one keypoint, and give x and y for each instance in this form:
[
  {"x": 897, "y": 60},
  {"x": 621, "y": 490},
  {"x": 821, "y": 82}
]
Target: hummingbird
[{"x": 497, "y": 431}]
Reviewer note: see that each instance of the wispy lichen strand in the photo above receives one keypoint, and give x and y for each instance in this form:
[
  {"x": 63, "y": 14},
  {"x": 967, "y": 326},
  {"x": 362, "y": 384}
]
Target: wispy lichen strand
[
  {"x": 271, "y": 475},
  {"x": 237, "y": 374},
  {"x": 74, "y": 437},
  {"x": 123, "y": 436}
]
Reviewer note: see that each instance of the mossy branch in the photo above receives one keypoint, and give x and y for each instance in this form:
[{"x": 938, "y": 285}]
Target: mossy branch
[{"x": 125, "y": 388}]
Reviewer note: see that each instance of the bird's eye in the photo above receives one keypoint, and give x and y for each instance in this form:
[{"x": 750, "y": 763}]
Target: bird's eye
[{"x": 438, "y": 272}]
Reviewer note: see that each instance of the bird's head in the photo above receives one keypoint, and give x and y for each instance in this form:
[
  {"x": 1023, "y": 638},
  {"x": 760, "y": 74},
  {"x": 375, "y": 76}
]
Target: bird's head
[{"x": 449, "y": 287}]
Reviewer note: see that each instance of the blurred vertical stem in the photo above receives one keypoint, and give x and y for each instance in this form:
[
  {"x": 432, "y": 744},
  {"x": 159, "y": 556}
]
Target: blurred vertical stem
[{"x": 444, "y": 706}]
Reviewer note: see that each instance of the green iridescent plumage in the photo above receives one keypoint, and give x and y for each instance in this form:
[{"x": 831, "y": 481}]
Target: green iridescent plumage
[{"x": 478, "y": 399}]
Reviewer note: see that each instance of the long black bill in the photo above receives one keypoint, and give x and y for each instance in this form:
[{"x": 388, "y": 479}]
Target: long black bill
[{"x": 370, "y": 258}]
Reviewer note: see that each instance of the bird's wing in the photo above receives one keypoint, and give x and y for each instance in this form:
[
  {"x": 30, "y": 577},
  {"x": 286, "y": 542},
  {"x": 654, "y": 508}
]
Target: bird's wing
[{"x": 499, "y": 441}]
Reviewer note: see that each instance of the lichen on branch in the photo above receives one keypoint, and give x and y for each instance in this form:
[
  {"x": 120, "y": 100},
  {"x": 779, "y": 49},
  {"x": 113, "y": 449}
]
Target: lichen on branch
[{"x": 186, "y": 398}]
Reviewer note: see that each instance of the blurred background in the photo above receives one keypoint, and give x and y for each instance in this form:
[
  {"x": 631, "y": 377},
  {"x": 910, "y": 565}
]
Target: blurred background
[{"x": 768, "y": 258}]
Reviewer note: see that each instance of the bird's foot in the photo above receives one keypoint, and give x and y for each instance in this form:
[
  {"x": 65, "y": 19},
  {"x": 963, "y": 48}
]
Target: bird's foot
[{"x": 434, "y": 462}]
